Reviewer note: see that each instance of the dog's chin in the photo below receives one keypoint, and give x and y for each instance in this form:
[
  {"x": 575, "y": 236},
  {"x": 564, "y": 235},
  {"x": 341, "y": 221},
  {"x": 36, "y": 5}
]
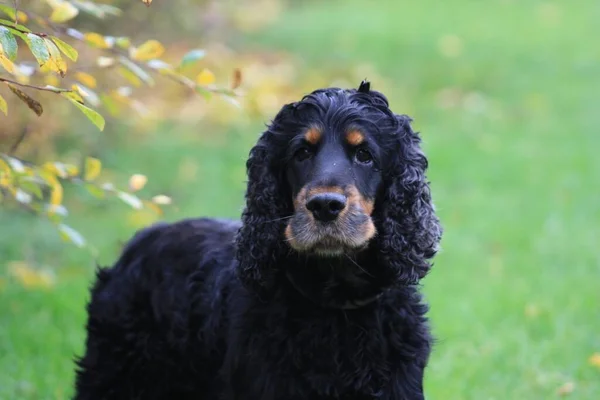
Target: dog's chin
[{"x": 329, "y": 247}]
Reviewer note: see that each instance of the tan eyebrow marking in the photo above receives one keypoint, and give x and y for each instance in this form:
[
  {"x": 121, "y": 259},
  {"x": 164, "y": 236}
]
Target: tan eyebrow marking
[
  {"x": 355, "y": 138},
  {"x": 312, "y": 136}
]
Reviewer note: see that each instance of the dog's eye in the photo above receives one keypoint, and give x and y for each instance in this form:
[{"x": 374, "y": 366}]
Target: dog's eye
[
  {"x": 363, "y": 156},
  {"x": 302, "y": 154}
]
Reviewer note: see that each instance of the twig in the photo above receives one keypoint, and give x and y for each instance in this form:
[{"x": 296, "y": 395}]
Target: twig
[
  {"x": 16, "y": 145},
  {"x": 43, "y": 88}
]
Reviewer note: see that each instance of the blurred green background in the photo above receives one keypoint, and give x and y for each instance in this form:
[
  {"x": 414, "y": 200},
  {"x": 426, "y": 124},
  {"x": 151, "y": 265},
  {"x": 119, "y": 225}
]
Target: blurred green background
[{"x": 506, "y": 96}]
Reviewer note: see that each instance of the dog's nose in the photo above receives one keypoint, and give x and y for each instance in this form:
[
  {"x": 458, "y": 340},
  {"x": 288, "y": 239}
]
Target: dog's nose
[{"x": 326, "y": 206}]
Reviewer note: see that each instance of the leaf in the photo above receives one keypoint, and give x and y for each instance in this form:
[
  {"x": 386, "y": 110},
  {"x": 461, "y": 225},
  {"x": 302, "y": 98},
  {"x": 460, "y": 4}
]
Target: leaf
[
  {"x": 12, "y": 24},
  {"x": 75, "y": 96},
  {"x": 96, "y": 40},
  {"x": 130, "y": 76},
  {"x": 57, "y": 64},
  {"x": 92, "y": 115},
  {"x": 566, "y": 389},
  {"x": 64, "y": 12},
  {"x": 38, "y": 48},
  {"x": 8, "y": 10},
  {"x": 98, "y": 10},
  {"x": 6, "y": 175},
  {"x": 93, "y": 166},
  {"x": 31, "y": 278},
  {"x": 22, "y": 197},
  {"x": 205, "y": 78},
  {"x": 95, "y": 190},
  {"x": 69, "y": 234},
  {"x": 56, "y": 168},
  {"x": 3, "y": 106},
  {"x": 131, "y": 199},
  {"x": 16, "y": 165},
  {"x": 191, "y": 57},
  {"x": 148, "y": 51},
  {"x": 19, "y": 16},
  {"x": 86, "y": 79},
  {"x": 88, "y": 94},
  {"x": 7, "y": 64},
  {"x": 137, "y": 71},
  {"x": 137, "y": 182},
  {"x": 104, "y": 62},
  {"x": 154, "y": 207},
  {"x": 56, "y": 194},
  {"x": 33, "y": 105},
  {"x": 31, "y": 186},
  {"x": 8, "y": 43},
  {"x": 162, "y": 199},
  {"x": 66, "y": 48},
  {"x": 51, "y": 80},
  {"x": 74, "y": 33},
  {"x": 55, "y": 212},
  {"x": 237, "y": 79},
  {"x": 147, "y": 2},
  {"x": 594, "y": 360},
  {"x": 123, "y": 42}
]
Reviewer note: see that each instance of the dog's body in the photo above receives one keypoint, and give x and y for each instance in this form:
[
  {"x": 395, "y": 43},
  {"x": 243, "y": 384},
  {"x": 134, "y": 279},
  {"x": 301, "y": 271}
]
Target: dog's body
[{"x": 214, "y": 309}]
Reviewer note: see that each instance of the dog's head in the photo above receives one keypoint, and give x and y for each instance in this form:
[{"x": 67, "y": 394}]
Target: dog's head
[{"x": 338, "y": 173}]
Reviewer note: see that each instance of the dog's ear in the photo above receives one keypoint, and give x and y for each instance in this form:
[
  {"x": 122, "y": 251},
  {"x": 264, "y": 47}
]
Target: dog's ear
[
  {"x": 259, "y": 240},
  {"x": 409, "y": 232}
]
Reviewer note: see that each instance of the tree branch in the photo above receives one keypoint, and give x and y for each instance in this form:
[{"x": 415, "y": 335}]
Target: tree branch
[
  {"x": 43, "y": 88},
  {"x": 17, "y": 143}
]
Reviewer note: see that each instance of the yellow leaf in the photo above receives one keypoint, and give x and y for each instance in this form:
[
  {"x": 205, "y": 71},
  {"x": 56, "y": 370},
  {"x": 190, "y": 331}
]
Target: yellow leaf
[
  {"x": 56, "y": 194},
  {"x": 93, "y": 166},
  {"x": 72, "y": 170},
  {"x": 137, "y": 182},
  {"x": 29, "y": 277},
  {"x": 154, "y": 207},
  {"x": 51, "y": 80},
  {"x": 595, "y": 360},
  {"x": 142, "y": 217},
  {"x": 566, "y": 389},
  {"x": 6, "y": 177},
  {"x": 148, "y": 51},
  {"x": 55, "y": 169},
  {"x": 87, "y": 79},
  {"x": 3, "y": 106},
  {"x": 6, "y": 63},
  {"x": 22, "y": 17},
  {"x": 64, "y": 12},
  {"x": 56, "y": 62},
  {"x": 205, "y": 78},
  {"x": 75, "y": 94},
  {"x": 96, "y": 40},
  {"x": 130, "y": 77},
  {"x": 162, "y": 199}
]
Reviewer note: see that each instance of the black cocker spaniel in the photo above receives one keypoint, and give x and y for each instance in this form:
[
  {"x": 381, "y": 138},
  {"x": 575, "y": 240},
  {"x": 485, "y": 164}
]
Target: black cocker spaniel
[{"x": 313, "y": 296}]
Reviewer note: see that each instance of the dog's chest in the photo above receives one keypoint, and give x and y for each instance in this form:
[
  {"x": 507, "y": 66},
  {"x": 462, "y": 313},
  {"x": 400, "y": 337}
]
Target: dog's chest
[{"x": 330, "y": 355}]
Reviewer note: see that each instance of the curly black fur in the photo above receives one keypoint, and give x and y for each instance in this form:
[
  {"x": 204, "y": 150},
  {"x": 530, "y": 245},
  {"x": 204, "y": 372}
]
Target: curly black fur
[{"x": 215, "y": 309}]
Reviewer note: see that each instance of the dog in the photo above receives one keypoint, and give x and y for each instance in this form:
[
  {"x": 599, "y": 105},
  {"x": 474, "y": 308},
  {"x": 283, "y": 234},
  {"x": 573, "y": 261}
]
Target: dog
[{"x": 314, "y": 294}]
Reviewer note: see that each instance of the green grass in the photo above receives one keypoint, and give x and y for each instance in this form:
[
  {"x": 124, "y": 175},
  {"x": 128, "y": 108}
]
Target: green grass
[{"x": 514, "y": 294}]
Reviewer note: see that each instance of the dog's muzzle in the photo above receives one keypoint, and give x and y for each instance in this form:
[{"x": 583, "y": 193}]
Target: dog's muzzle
[{"x": 330, "y": 221}]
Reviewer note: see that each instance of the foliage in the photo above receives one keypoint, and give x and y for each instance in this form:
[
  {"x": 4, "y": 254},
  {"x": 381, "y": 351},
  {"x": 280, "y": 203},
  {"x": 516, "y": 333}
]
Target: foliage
[{"x": 80, "y": 68}]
